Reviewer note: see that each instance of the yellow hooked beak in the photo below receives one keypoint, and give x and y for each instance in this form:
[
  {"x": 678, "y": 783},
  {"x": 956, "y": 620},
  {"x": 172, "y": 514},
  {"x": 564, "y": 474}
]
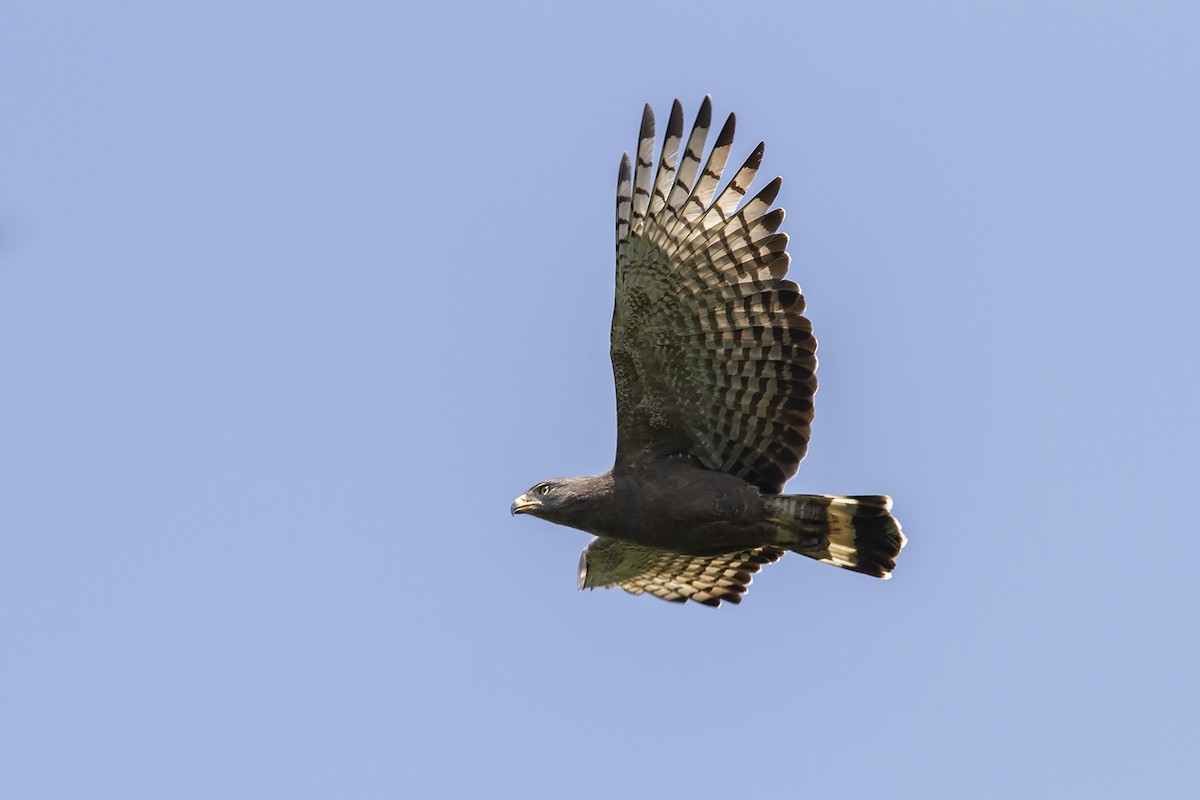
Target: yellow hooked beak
[{"x": 524, "y": 504}]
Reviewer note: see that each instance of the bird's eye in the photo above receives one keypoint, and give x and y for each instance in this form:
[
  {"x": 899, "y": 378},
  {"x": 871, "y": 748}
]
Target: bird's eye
[{"x": 543, "y": 489}]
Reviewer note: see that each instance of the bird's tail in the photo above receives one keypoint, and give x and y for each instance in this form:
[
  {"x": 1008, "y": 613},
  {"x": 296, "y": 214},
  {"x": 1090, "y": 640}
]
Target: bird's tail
[{"x": 855, "y": 533}]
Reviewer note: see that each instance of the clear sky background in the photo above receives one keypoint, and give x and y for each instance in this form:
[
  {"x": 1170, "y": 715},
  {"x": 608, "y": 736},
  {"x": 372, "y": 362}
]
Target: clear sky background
[{"x": 296, "y": 298}]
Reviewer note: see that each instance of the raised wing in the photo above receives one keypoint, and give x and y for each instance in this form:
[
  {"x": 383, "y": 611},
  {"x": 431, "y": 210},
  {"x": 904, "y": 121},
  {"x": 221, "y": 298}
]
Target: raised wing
[
  {"x": 672, "y": 576},
  {"x": 712, "y": 356}
]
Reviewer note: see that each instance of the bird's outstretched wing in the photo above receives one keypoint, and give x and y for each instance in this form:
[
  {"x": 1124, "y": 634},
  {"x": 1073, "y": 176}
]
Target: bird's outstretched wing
[
  {"x": 712, "y": 357},
  {"x": 672, "y": 576}
]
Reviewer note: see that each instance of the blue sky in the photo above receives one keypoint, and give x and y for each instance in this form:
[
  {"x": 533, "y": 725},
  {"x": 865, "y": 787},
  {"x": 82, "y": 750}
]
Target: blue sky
[{"x": 294, "y": 299}]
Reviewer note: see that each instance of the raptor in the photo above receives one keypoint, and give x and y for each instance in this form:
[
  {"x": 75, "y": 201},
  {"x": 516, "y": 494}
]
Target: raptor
[{"x": 715, "y": 366}]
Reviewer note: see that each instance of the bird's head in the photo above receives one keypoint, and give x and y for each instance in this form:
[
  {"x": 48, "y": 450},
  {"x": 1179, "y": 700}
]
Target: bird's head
[{"x": 561, "y": 500}]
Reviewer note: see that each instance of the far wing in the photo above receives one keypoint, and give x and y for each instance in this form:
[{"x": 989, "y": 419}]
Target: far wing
[
  {"x": 712, "y": 356},
  {"x": 672, "y": 576}
]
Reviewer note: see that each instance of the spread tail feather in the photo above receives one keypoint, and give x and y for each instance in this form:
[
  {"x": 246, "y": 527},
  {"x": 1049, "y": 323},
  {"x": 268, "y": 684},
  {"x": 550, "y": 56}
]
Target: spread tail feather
[{"x": 854, "y": 533}]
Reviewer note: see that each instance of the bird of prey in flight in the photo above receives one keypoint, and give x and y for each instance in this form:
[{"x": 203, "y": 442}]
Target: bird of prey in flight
[{"x": 715, "y": 371}]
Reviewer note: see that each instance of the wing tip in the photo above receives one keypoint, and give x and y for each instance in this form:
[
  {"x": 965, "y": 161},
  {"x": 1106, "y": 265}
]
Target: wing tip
[
  {"x": 725, "y": 137},
  {"x": 756, "y": 156},
  {"x": 647, "y": 129}
]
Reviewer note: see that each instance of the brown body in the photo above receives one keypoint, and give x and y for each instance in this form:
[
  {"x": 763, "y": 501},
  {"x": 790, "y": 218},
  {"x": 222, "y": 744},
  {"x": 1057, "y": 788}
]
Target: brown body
[{"x": 673, "y": 505}]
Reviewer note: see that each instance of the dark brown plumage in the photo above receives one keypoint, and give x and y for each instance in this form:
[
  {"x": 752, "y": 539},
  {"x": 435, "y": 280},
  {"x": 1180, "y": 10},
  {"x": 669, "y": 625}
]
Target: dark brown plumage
[{"x": 715, "y": 370}]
